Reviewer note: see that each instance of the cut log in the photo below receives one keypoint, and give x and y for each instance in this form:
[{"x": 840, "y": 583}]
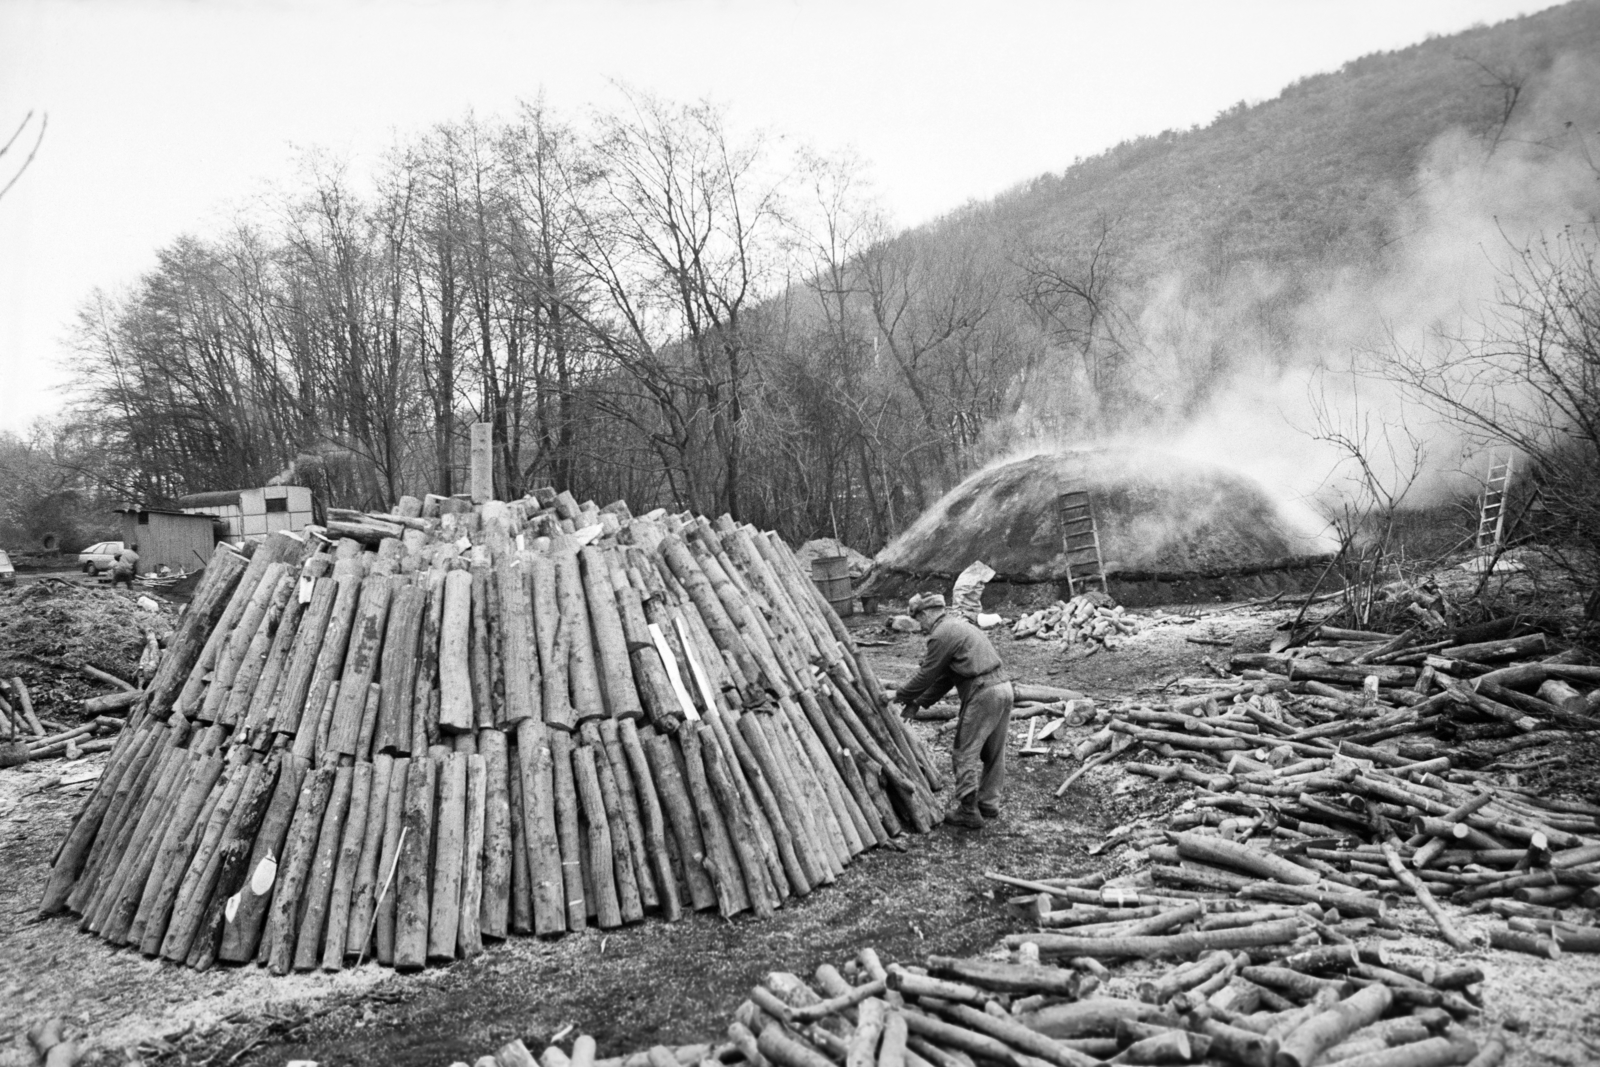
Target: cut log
[
  {"x": 541, "y": 839},
  {"x": 394, "y": 832},
  {"x": 494, "y": 914},
  {"x": 567, "y": 833},
  {"x": 449, "y": 849},
  {"x": 412, "y": 875},
  {"x": 469, "y": 937},
  {"x": 398, "y": 671},
  {"x": 318, "y": 891},
  {"x": 364, "y": 887},
  {"x": 456, "y": 711}
]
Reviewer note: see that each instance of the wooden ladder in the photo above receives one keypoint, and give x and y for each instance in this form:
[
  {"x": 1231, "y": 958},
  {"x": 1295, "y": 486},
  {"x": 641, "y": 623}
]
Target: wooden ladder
[
  {"x": 1080, "y": 542},
  {"x": 1492, "y": 514}
]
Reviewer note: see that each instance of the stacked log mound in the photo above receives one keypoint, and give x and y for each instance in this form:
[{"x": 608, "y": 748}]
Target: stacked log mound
[
  {"x": 1309, "y": 773},
  {"x": 434, "y": 728},
  {"x": 1266, "y": 995}
]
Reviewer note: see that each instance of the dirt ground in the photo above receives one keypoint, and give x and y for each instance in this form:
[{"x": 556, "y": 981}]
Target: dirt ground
[{"x": 679, "y": 983}]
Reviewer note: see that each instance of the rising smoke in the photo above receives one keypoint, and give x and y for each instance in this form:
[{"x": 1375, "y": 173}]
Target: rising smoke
[{"x": 1475, "y": 202}]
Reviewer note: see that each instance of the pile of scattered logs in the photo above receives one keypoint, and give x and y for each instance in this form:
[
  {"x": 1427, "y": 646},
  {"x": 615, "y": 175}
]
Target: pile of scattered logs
[
  {"x": 1293, "y": 755},
  {"x": 1083, "y": 618},
  {"x": 451, "y": 724},
  {"x": 1261, "y": 996},
  {"x": 36, "y": 738}
]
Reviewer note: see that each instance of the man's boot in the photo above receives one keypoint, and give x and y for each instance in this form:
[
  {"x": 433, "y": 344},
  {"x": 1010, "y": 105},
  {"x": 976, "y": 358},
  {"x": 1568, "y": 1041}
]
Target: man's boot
[
  {"x": 988, "y": 811},
  {"x": 966, "y": 814}
]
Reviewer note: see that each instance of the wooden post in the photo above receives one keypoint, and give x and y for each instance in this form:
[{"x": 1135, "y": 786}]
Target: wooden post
[
  {"x": 482, "y": 462},
  {"x": 654, "y": 822}
]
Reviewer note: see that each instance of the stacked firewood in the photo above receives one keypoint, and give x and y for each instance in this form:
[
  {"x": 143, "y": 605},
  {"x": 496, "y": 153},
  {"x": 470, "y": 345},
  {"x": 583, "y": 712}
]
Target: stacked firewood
[
  {"x": 1295, "y": 761},
  {"x": 1258, "y": 995},
  {"x": 1083, "y": 618},
  {"x": 451, "y": 724}
]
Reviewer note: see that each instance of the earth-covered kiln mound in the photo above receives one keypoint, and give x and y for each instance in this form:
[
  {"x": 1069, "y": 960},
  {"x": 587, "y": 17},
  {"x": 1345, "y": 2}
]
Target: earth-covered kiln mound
[
  {"x": 428, "y": 730},
  {"x": 1169, "y": 529}
]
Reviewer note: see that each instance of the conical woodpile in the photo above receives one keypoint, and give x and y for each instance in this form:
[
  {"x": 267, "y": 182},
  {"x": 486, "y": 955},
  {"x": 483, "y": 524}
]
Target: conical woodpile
[{"x": 427, "y": 731}]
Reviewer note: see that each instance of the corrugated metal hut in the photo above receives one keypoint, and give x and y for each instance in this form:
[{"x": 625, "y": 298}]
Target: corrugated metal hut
[{"x": 177, "y": 540}]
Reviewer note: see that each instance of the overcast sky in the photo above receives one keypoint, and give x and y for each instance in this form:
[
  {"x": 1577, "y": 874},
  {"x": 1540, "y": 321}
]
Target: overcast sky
[{"x": 164, "y": 116}]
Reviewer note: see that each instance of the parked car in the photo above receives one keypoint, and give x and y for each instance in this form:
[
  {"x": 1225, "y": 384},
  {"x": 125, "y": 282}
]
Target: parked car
[
  {"x": 8, "y": 573},
  {"x": 100, "y": 557}
]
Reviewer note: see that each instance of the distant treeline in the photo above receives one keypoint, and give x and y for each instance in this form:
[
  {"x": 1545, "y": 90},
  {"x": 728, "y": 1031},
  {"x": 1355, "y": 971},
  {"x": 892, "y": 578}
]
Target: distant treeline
[{"x": 649, "y": 305}]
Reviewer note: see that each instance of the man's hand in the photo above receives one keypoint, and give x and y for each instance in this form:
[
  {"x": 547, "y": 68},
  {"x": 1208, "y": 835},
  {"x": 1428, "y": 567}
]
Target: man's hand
[{"x": 905, "y": 709}]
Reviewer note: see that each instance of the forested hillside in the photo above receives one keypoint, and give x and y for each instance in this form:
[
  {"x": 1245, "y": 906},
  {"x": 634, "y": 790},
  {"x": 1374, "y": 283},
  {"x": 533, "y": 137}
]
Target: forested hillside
[{"x": 651, "y": 306}]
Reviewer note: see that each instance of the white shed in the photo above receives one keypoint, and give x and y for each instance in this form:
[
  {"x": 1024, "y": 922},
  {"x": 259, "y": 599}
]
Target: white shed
[{"x": 252, "y": 514}]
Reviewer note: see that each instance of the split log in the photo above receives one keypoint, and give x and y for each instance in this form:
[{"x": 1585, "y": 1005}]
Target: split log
[{"x": 241, "y": 933}]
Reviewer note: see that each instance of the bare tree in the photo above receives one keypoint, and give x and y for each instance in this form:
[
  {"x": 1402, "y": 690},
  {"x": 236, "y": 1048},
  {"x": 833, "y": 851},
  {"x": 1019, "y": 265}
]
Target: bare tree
[
  {"x": 1527, "y": 375},
  {"x": 11, "y": 142}
]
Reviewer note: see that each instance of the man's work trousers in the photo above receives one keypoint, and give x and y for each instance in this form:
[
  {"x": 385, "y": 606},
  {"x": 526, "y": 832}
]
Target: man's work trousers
[{"x": 979, "y": 754}]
